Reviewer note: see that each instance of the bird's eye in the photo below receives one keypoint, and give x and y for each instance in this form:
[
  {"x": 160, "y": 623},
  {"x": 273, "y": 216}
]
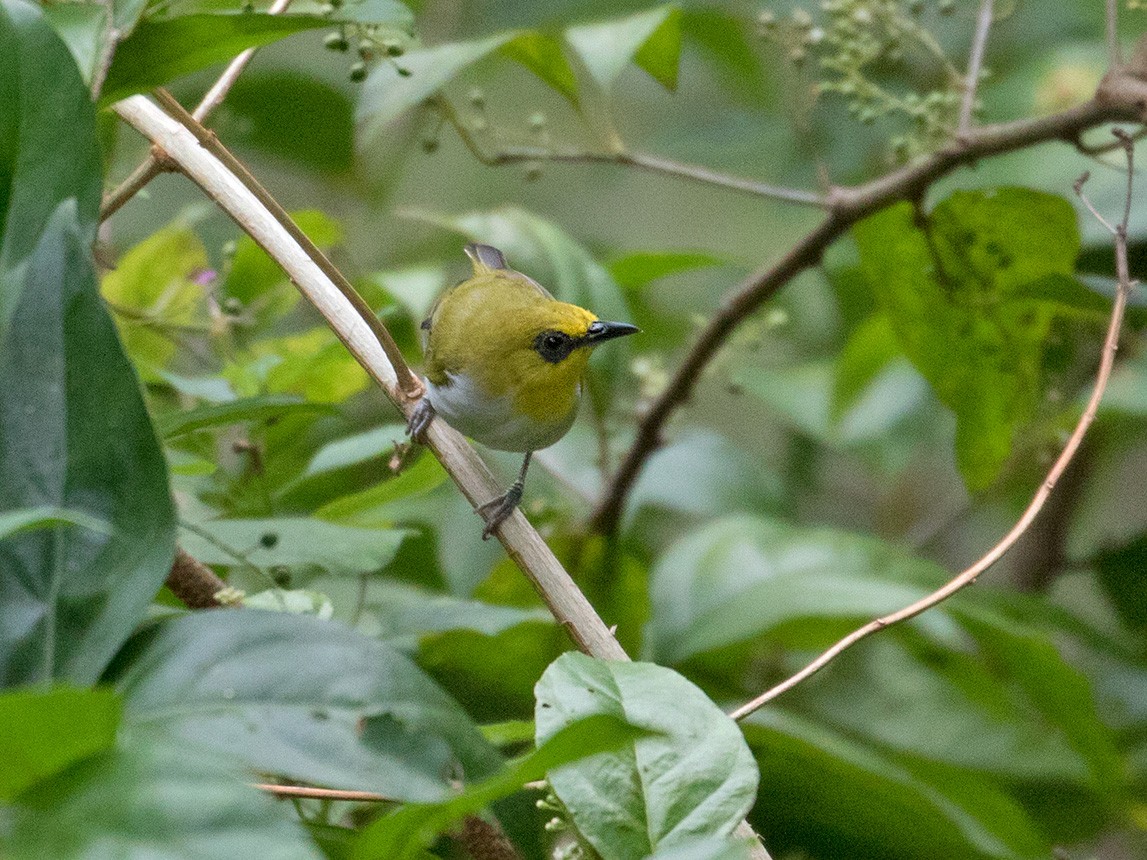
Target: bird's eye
[{"x": 554, "y": 346}]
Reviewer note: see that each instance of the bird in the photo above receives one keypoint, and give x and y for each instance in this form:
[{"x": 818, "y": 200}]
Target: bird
[{"x": 504, "y": 365}]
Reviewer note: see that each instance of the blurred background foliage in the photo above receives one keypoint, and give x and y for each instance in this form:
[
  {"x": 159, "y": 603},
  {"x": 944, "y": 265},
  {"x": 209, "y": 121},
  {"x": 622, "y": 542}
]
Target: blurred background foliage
[{"x": 832, "y": 465}]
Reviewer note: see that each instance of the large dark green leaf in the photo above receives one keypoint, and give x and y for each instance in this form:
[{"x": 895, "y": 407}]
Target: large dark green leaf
[
  {"x": 49, "y": 151},
  {"x": 694, "y": 778},
  {"x": 83, "y": 27},
  {"x": 74, "y": 434},
  {"x": 307, "y": 699},
  {"x": 151, "y": 799},
  {"x": 402, "y": 835},
  {"x": 836, "y": 798},
  {"x": 742, "y": 576},
  {"x": 954, "y": 294},
  {"x": 44, "y": 731},
  {"x": 161, "y": 49}
]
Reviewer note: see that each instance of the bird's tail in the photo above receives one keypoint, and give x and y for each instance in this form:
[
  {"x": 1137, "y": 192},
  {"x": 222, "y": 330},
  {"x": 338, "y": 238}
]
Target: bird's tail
[{"x": 485, "y": 258}]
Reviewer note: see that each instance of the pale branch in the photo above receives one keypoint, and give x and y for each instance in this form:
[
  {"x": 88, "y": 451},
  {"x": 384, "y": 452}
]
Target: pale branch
[
  {"x": 1122, "y": 95},
  {"x": 969, "y": 576},
  {"x": 624, "y": 158},
  {"x": 1114, "y": 52},
  {"x": 409, "y": 384},
  {"x": 154, "y": 164},
  {"x": 975, "y": 65}
]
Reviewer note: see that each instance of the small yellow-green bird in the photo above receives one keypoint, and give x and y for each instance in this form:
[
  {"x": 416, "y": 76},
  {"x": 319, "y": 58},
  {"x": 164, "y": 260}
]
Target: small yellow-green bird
[{"x": 504, "y": 365}]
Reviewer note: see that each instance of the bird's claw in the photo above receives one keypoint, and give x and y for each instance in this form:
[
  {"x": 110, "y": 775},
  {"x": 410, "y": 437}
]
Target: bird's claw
[
  {"x": 497, "y": 510},
  {"x": 419, "y": 421}
]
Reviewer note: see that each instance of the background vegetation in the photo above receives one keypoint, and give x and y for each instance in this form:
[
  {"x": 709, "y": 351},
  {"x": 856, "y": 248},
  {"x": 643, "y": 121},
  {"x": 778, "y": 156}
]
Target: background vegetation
[{"x": 846, "y": 390}]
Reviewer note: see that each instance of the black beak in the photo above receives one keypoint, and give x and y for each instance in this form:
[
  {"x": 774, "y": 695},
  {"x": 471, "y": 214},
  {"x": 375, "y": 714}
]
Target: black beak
[{"x": 600, "y": 331}]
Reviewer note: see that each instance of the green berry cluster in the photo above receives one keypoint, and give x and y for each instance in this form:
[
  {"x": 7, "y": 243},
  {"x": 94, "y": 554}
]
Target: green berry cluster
[
  {"x": 373, "y": 41},
  {"x": 859, "y": 45}
]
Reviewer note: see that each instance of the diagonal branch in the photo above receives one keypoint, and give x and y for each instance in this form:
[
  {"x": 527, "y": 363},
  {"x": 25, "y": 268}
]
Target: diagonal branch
[
  {"x": 975, "y": 63},
  {"x": 1122, "y": 95},
  {"x": 969, "y": 576}
]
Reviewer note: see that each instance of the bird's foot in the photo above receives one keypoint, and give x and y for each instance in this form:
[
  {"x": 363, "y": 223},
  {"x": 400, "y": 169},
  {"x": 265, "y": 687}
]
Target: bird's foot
[
  {"x": 420, "y": 420},
  {"x": 496, "y": 511}
]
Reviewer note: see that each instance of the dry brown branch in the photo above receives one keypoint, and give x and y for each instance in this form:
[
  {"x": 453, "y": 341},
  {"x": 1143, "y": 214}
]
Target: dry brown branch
[
  {"x": 975, "y": 64},
  {"x": 624, "y": 158},
  {"x": 1122, "y": 95},
  {"x": 309, "y": 791},
  {"x": 154, "y": 164},
  {"x": 969, "y": 576}
]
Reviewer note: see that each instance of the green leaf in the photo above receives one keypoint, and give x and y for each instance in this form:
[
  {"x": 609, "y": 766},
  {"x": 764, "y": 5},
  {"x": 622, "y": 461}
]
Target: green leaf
[
  {"x": 704, "y": 475},
  {"x": 369, "y": 507},
  {"x": 153, "y": 291},
  {"x": 388, "y": 12},
  {"x": 651, "y": 39},
  {"x": 50, "y": 153},
  {"x": 406, "y": 613},
  {"x": 641, "y": 268},
  {"x": 951, "y": 707},
  {"x": 542, "y": 55},
  {"x": 29, "y": 519},
  {"x": 955, "y": 299},
  {"x": 404, "y": 833},
  {"x": 836, "y": 798},
  {"x": 314, "y": 364},
  {"x": 356, "y": 449},
  {"x": 83, "y": 27},
  {"x": 386, "y": 94},
  {"x": 74, "y": 434},
  {"x": 162, "y": 49},
  {"x": 307, "y": 699},
  {"x": 263, "y": 407},
  {"x": 706, "y": 848},
  {"x": 803, "y": 396},
  {"x": 695, "y": 777},
  {"x": 153, "y": 799},
  {"x": 43, "y": 732},
  {"x": 870, "y": 348},
  {"x": 125, "y": 14},
  {"x": 740, "y": 577},
  {"x": 313, "y": 128},
  {"x": 295, "y": 542}
]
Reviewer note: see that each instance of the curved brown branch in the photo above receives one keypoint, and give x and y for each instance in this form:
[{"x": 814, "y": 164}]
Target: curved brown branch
[
  {"x": 1121, "y": 96},
  {"x": 969, "y": 576}
]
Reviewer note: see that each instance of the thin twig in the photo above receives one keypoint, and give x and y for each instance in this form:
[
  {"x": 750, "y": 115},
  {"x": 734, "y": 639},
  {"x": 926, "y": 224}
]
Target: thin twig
[
  {"x": 1114, "y": 52},
  {"x": 1120, "y": 96},
  {"x": 975, "y": 63},
  {"x": 969, "y": 576},
  {"x": 625, "y": 158},
  {"x": 154, "y": 164},
  {"x": 409, "y": 385},
  {"x": 309, "y": 791}
]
